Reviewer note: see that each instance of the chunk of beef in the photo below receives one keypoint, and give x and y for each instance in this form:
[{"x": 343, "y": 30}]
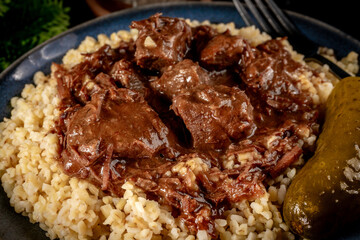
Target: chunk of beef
[
  {"x": 85, "y": 78},
  {"x": 268, "y": 71},
  {"x": 215, "y": 115},
  {"x": 104, "y": 81},
  {"x": 179, "y": 78},
  {"x": 126, "y": 73},
  {"x": 222, "y": 51},
  {"x": 91, "y": 87},
  {"x": 103, "y": 59},
  {"x": 120, "y": 125},
  {"x": 201, "y": 35},
  {"x": 162, "y": 41}
]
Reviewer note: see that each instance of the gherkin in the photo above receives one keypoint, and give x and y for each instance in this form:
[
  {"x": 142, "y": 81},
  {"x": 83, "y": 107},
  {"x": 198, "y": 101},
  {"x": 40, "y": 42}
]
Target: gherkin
[{"x": 325, "y": 194}]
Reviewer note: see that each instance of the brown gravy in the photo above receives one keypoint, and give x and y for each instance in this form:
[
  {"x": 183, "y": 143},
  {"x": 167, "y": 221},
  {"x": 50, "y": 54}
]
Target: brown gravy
[{"x": 138, "y": 112}]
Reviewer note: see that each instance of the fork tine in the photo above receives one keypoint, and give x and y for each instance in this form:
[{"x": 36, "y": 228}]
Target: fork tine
[
  {"x": 283, "y": 19},
  {"x": 270, "y": 18},
  {"x": 243, "y": 13},
  {"x": 265, "y": 27}
]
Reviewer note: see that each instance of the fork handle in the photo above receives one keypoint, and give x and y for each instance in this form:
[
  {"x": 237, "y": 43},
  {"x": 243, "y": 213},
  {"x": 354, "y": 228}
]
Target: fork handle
[{"x": 335, "y": 69}]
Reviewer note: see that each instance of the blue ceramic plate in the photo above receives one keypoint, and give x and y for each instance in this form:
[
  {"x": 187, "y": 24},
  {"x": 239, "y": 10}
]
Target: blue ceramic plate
[{"x": 12, "y": 80}]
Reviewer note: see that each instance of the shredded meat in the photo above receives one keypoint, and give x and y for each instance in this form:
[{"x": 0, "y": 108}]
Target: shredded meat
[
  {"x": 126, "y": 73},
  {"x": 171, "y": 110}
]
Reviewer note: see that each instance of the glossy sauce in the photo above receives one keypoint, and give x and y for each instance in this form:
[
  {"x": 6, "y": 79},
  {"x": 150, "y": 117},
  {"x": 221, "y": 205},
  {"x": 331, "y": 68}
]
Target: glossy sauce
[{"x": 150, "y": 114}]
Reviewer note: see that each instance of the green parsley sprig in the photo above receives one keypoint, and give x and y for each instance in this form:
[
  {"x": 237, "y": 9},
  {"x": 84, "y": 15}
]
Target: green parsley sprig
[{"x": 25, "y": 24}]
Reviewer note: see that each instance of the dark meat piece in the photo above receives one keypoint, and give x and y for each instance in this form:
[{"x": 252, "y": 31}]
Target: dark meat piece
[
  {"x": 79, "y": 83},
  {"x": 118, "y": 124},
  {"x": 179, "y": 78},
  {"x": 201, "y": 35},
  {"x": 75, "y": 86},
  {"x": 286, "y": 160},
  {"x": 268, "y": 72},
  {"x": 223, "y": 51},
  {"x": 215, "y": 115},
  {"x": 103, "y": 59},
  {"x": 162, "y": 41},
  {"x": 126, "y": 73}
]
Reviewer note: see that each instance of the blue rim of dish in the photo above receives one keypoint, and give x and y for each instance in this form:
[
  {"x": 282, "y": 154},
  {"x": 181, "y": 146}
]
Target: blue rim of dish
[{"x": 111, "y": 16}]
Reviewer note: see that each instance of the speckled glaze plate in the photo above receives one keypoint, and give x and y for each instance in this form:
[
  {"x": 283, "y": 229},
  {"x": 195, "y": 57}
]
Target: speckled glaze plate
[{"x": 12, "y": 80}]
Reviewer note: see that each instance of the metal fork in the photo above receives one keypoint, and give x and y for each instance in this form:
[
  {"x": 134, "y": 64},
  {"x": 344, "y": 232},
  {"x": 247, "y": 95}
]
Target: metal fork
[{"x": 274, "y": 21}]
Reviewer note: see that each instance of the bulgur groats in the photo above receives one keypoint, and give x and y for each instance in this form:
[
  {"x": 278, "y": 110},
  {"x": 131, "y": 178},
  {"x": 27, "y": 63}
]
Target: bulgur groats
[{"x": 69, "y": 208}]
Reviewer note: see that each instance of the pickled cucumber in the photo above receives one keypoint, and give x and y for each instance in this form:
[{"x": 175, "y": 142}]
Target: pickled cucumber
[{"x": 325, "y": 194}]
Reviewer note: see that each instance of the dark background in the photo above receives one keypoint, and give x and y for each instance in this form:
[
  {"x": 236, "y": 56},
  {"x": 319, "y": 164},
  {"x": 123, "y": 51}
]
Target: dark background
[{"x": 342, "y": 14}]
